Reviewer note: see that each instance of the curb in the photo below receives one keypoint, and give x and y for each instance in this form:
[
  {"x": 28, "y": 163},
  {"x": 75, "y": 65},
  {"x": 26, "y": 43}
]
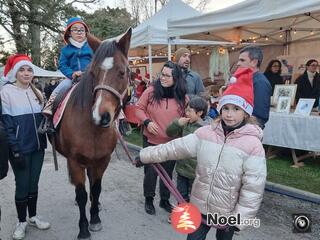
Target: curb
[
  {"x": 292, "y": 192},
  {"x": 271, "y": 187}
]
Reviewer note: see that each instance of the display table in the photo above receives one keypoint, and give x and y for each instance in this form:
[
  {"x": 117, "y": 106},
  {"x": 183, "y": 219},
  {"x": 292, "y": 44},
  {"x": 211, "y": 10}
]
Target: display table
[{"x": 294, "y": 132}]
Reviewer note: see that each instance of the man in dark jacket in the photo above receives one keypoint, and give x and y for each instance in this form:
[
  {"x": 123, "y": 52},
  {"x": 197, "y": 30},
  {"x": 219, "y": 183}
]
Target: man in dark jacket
[
  {"x": 194, "y": 82},
  {"x": 309, "y": 83},
  {"x": 251, "y": 57}
]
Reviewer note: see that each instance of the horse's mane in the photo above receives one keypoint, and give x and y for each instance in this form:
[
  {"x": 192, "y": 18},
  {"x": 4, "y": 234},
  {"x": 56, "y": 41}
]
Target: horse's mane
[{"x": 82, "y": 96}]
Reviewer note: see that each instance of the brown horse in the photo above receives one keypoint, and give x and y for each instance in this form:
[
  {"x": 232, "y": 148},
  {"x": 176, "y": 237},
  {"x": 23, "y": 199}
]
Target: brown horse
[{"x": 87, "y": 135}]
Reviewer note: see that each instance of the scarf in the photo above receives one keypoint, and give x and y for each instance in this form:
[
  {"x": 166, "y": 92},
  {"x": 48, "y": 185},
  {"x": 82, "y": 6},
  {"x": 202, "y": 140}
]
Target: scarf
[{"x": 77, "y": 44}]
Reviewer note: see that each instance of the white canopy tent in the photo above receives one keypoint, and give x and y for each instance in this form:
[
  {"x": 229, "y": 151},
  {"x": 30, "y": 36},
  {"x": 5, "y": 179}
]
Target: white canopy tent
[
  {"x": 254, "y": 21},
  {"x": 153, "y": 32}
]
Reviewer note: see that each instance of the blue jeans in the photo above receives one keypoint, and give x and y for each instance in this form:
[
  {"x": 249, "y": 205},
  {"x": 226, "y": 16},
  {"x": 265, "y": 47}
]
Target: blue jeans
[
  {"x": 184, "y": 186},
  {"x": 65, "y": 84}
]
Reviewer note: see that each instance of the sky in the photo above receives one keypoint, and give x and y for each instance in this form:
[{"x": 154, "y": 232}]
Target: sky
[{"x": 211, "y": 6}]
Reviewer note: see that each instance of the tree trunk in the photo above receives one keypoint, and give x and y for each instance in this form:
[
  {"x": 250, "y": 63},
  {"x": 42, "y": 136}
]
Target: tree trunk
[
  {"x": 34, "y": 30},
  {"x": 17, "y": 35}
]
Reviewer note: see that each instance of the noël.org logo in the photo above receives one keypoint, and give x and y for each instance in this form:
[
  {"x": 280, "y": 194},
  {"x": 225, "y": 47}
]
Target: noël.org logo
[
  {"x": 301, "y": 223},
  {"x": 232, "y": 220},
  {"x": 186, "y": 218}
]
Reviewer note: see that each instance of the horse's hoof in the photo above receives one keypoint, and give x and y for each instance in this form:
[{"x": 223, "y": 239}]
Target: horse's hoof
[
  {"x": 86, "y": 235},
  {"x": 88, "y": 238},
  {"x": 95, "y": 227}
]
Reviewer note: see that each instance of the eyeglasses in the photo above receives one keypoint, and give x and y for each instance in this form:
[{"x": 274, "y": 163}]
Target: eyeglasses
[
  {"x": 165, "y": 75},
  {"x": 76, "y": 30}
]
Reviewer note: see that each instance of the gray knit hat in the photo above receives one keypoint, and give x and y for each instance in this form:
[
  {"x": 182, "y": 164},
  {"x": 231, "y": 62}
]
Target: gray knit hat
[{"x": 180, "y": 52}]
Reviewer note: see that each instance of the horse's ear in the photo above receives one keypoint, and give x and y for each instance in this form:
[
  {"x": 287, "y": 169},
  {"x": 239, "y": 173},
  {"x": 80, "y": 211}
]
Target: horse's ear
[
  {"x": 124, "y": 41},
  {"x": 93, "y": 41}
]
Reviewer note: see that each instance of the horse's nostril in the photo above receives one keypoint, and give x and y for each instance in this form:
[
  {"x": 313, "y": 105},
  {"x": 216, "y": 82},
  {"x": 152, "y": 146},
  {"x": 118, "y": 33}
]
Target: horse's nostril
[{"x": 105, "y": 120}]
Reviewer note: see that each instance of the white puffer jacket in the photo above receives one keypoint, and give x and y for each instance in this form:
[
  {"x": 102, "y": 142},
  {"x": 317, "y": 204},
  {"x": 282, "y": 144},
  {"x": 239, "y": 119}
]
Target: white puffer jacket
[{"x": 231, "y": 170}]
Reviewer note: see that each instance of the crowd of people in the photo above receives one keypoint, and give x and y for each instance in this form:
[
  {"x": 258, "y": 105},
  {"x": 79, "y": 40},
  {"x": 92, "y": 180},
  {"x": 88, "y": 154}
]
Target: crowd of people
[{"x": 217, "y": 136}]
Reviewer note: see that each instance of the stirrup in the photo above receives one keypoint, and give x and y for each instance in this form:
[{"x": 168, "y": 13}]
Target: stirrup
[{"x": 46, "y": 126}]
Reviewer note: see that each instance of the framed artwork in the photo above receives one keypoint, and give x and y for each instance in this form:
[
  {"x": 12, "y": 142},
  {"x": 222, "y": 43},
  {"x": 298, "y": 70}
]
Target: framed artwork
[
  {"x": 281, "y": 90},
  {"x": 304, "y": 106},
  {"x": 284, "y": 104}
]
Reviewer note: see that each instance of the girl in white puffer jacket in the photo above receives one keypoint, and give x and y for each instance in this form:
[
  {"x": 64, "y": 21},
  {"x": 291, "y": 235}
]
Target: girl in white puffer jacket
[{"x": 231, "y": 168}]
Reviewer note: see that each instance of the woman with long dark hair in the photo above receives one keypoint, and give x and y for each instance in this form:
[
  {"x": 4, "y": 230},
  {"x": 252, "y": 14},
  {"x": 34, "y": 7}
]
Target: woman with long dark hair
[
  {"x": 158, "y": 106},
  {"x": 273, "y": 73}
]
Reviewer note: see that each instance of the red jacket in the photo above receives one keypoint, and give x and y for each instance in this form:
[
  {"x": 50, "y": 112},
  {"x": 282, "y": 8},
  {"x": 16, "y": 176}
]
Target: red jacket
[{"x": 162, "y": 114}]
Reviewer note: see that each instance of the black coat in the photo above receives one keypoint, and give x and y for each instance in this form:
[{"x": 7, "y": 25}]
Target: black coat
[
  {"x": 4, "y": 150},
  {"x": 273, "y": 79},
  {"x": 305, "y": 90}
]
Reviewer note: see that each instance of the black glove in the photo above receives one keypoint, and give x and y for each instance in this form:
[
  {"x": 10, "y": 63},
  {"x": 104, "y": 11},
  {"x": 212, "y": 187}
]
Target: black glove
[
  {"x": 18, "y": 160},
  {"x": 138, "y": 163}
]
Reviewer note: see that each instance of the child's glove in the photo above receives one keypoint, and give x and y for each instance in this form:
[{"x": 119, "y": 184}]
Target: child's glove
[{"x": 137, "y": 162}]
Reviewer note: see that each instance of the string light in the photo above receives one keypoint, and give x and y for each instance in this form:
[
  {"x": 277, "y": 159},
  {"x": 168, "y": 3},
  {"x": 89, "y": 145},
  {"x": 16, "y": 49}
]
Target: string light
[
  {"x": 281, "y": 36},
  {"x": 232, "y": 48},
  {"x": 267, "y": 38},
  {"x": 208, "y": 53},
  {"x": 198, "y": 52},
  {"x": 295, "y": 31},
  {"x": 311, "y": 33},
  {"x": 254, "y": 41}
]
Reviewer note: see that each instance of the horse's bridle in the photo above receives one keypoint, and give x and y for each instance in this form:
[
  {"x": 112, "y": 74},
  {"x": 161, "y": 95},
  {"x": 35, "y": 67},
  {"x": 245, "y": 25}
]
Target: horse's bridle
[{"x": 116, "y": 93}]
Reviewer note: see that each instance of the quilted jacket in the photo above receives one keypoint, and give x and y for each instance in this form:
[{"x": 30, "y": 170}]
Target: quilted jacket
[{"x": 231, "y": 170}]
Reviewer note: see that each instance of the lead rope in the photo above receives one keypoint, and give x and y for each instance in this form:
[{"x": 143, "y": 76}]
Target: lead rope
[{"x": 164, "y": 177}]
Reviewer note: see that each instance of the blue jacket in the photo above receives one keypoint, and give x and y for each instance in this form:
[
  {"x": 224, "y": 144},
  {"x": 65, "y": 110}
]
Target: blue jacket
[
  {"x": 74, "y": 59},
  {"x": 21, "y": 117},
  {"x": 262, "y": 94}
]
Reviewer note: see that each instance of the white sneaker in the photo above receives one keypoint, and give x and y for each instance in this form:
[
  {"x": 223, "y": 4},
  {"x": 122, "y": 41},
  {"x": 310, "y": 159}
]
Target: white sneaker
[
  {"x": 38, "y": 223},
  {"x": 20, "y": 231}
]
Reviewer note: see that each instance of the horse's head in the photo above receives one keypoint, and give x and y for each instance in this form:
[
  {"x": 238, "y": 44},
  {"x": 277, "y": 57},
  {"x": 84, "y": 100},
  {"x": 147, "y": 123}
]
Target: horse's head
[{"x": 111, "y": 77}]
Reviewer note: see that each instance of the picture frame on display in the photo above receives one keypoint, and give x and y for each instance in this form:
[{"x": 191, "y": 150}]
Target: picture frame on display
[
  {"x": 281, "y": 90},
  {"x": 283, "y": 105},
  {"x": 304, "y": 106}
]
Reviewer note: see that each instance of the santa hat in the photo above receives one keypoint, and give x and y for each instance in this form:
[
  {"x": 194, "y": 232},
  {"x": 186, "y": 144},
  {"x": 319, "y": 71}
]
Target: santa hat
[
  {"x": 180, "y": 52},
  {"x": 70, "y": 22},
  {"x": 240, "y": 91},
  {"x": 14, "y": 63}
]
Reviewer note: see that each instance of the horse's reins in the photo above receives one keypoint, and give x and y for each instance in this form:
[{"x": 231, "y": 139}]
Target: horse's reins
[
  {"x": 159, "y": 169},
  {"x": 164, "y": 177}
]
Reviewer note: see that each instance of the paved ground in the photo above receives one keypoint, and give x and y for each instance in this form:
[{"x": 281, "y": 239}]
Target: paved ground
[{"x": 122, "y": 212}]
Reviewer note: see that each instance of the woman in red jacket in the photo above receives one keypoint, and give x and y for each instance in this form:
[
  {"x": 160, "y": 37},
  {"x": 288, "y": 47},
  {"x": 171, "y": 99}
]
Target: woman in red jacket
[{"x": 158, "y": 106}]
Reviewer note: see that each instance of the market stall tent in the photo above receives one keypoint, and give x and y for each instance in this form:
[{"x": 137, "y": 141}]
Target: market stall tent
[
  {"x": 151, "y": 37},
  {"x": 279, "y": 22}
]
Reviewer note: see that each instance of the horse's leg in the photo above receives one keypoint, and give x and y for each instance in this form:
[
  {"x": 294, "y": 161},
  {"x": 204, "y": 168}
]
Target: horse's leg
[
  {"x": 78, "y": 177},
  {"x": 95, "y": 178}
]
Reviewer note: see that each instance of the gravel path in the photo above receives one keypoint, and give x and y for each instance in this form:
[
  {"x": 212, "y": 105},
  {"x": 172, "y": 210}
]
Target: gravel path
[{"x": 122, "y": 214}]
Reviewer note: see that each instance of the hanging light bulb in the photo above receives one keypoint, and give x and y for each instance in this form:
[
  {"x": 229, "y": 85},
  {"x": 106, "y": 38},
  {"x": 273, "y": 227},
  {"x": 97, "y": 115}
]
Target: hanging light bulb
[
  {"x": 198, "y": 52},
  {"x": 281, "y": 35},
  {"x": 267, "y": 38},
  {"x": 208, "y": 53},
  {"x": 295, "y": 31},
  {"x": 191, "y": 51},
  {"x": 312, "y": 32},
  {"x": 254, "y": 41},
  {"x": 232, "y": 48}
]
